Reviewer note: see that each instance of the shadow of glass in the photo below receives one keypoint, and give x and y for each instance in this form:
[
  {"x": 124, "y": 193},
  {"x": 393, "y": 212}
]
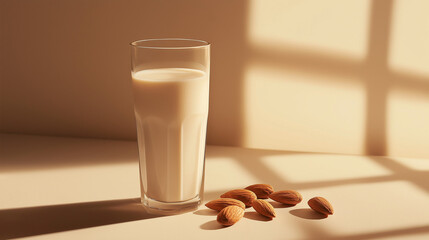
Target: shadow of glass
[
  {"x": 307, "y": 213},
  {"x": 256, "y": 216},
  {"x": 211, "y": 225},
  {"x": 24, "y": 222},
  {"x": 206, "y": 212}
]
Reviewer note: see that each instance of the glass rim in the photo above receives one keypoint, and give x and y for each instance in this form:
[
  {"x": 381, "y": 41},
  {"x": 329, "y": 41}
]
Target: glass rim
[{"x": 203, "y": 43}]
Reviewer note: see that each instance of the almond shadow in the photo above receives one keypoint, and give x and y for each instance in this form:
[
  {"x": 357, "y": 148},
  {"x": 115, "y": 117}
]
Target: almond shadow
[
  {"x": 307, "y": 213},
  {"x": 211, "y": 225},
  {"x": 256, "y": 216}
]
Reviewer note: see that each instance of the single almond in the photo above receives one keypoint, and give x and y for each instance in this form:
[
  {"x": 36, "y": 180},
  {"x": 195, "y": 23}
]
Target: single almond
[
  {"x": 222, "y": 203},
  {"x": 264, "y": 208},
  {"x": 287, "y": 197},
  {"x": 230, "y": 215},
  {"x": 321, "y": 205},
  {"x": 261, "y": 190},
  {"x": 244, "y": 195}
]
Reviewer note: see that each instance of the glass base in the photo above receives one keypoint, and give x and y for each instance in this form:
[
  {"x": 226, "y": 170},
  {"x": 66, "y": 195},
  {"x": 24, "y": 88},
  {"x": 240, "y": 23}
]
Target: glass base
[{"x": 170, "y": 208}]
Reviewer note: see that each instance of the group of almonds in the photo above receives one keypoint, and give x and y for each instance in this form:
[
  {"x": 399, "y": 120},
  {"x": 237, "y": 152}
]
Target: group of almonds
[{"x": 231, "y": 205}]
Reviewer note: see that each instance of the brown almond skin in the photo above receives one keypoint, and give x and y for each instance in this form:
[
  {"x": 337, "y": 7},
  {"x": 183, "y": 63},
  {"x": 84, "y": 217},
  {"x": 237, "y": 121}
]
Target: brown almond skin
[
  {"x": 230, "y": 215},
  {"x": 264, "y": 208},
  {"x": 262, "y": 191},
  {"x": 287, "y": 197},
  {"x": 244, "y": 195},
  {"x": 222, "y": 203},
  {"x": 321, "y": 205}
]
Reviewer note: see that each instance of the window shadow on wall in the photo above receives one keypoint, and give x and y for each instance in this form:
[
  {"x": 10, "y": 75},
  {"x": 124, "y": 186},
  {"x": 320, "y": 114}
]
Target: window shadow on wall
[{"x": 373, "y": 72}]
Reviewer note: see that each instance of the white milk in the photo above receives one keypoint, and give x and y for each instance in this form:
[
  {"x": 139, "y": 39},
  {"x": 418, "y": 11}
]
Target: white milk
[{"x": 171, "y": 108}]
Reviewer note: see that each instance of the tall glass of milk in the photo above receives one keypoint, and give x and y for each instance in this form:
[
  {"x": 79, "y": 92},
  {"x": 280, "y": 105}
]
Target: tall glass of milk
[{"x": 171, "y": 101}]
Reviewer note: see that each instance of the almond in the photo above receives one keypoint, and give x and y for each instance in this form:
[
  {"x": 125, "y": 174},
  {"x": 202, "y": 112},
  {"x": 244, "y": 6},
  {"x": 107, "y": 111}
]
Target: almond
[
  {"x": 261, "y": 190},
  {"x": 230, "y": 215},
  {"x": 244, "y": 195},
  {"x": 221, "y": 203},
  {"x": 287, "y": 197},
  {"x": 264, "y": 208},
  {"x": 321, "y": 205}
]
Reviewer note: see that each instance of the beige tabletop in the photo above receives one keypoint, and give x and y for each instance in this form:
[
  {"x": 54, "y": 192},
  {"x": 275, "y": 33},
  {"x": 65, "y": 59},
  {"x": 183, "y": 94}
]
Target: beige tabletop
[{"x": 71, "y": 188}]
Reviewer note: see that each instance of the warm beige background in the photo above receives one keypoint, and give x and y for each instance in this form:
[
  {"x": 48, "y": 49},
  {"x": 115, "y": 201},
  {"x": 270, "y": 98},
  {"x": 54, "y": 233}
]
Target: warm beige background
[{"x": 326, "y": 76}]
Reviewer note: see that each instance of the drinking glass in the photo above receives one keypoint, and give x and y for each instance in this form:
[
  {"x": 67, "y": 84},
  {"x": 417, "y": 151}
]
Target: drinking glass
[{"x": 171, "y": 97}]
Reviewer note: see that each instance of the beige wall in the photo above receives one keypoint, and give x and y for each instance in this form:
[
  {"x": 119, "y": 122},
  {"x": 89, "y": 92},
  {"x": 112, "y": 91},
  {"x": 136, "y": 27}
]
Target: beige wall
[{"x": 326, "y": 76}]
